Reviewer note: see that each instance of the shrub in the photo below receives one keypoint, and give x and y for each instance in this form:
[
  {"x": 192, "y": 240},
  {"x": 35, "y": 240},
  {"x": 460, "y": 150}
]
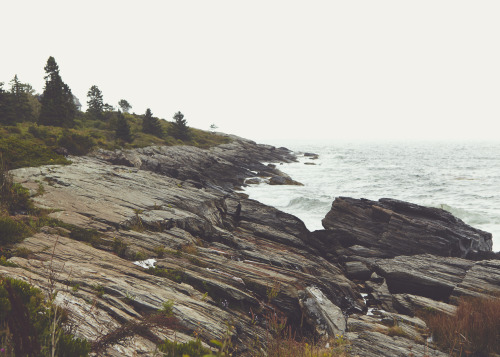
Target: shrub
[
  {"x": 167, "y": 308},
  {"x": 12, "y": 231},
  {"x": 475, "y": 327},
  {"x": 31, "y": 323},
  {"x": 13, "y": 196},
  {"x": 190, "y": 348},
  {"x": 75, "y": 143},
  {"x": 119, "y": 247}
]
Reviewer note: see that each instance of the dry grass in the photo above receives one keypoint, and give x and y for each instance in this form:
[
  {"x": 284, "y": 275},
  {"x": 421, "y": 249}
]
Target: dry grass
[
  {"x": 282, "y": 342},
  {"x": 473, "y": 330}
]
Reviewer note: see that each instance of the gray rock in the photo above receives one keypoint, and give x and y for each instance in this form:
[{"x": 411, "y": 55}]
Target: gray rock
[{"x": 402, "y": 228}]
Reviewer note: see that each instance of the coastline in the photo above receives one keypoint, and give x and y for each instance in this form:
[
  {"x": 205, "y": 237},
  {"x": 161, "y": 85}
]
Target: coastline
[{"x": 219, "y": 253}]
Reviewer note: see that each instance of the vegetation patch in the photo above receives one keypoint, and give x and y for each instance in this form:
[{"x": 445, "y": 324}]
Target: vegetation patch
[
  {"x": 474, "y": 329},
  {"x": 172, "y": 274},
  {"x": 31, "y": 326}
]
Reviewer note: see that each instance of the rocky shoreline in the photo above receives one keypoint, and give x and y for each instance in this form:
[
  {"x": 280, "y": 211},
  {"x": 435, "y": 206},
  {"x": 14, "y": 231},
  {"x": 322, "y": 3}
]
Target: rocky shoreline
[{"x": 230, "y": 259}]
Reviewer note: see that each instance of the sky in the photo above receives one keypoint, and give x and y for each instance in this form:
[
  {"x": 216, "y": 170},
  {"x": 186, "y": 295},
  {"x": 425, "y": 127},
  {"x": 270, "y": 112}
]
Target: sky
[{"x": 274, "y": 70}]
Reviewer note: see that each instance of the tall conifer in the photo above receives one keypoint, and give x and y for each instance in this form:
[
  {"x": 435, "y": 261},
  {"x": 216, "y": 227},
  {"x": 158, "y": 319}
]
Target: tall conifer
[
  {"x": 151, "y": 125},
  {"x": 95, "y": 102},
  {"x": 179, "y": 129},
  {"x": 58, "y": 107}
]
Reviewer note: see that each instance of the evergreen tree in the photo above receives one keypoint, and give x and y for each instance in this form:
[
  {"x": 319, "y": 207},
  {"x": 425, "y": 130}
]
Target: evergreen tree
[
  {"x": 123, "y": 129},
  {"x": 179, "y": 129},
  {"x": 151, "y": 125},
  {"x": 5, "y": 107},
  {"x": 58, "y": 107},
  {"x": 95, "y": 102},
  {"x": 124, "y": 105},
  {"x": 20, "y": 104}
]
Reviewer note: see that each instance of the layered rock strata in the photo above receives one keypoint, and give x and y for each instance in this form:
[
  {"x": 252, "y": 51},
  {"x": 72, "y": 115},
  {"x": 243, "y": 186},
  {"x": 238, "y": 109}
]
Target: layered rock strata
[{"x": 226, "y": 260}]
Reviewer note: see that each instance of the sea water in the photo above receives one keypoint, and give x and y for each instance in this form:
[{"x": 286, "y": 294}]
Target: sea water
[{"x": 462, "y": 178}]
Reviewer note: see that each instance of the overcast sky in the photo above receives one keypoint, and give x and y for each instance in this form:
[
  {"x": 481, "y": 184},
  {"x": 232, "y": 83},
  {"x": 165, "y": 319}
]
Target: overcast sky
[{"x": 273, "y": 70}]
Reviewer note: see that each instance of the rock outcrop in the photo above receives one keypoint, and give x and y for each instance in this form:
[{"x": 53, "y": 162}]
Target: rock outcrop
[
  {"x": 226, "y": 260},
  {"x": 219, "y": 256},
  {"x": 388, "y": 228}
]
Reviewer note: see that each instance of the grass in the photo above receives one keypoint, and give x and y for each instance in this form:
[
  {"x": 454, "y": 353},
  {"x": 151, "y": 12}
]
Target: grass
[
  {"x": 30, "y": 145},
  {"x": 473, "y": 330}
]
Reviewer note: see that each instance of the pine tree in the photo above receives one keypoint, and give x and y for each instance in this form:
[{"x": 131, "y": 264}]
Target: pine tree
[
  {"x": 4, "y": 106},
  {"x": 122, "y": 131},
  {"x": 179, "y": 129},
  {"x": 95, "y": 102},
  {"x": 20, "y": 105},
  {"x": 124, "y": 105},
  {"x": 58, "y": 107},
  {"x": 151, "y": 125}
]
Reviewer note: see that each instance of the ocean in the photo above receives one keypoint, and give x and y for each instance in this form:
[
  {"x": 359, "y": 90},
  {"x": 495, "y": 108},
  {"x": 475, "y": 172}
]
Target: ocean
[{"x": 462, "y": 178}]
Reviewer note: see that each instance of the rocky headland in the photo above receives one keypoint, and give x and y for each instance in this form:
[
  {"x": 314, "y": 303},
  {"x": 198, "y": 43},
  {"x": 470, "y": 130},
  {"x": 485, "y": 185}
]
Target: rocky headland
[{"x": 225, "y": 259}]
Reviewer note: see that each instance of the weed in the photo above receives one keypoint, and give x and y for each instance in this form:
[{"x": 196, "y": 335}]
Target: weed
[
  {"x": 98, "y": 289},
  {"x": 128, "y": 298},
  {"x": 140, "y": 256},
  {"x": 171, "y": 274},
  {"x": 41, "y": 189},
  {"x": 396, "y": 331},
  {"x": 22, "y": 252},
  {"x": 167, "y": 308},
  {"x": 141, "y": 327},
  {"x": 474, "y": 328},
  {"x": 190, "y": 348},
  {"x": 273, "y": 291},
  {"x": 4, "y": 262},
  {"x": 32, "y": 326},
  {"x": 160, "y": 251},
  {"x": 189, "y": 249},
  {"x": 119, "y": 247}
]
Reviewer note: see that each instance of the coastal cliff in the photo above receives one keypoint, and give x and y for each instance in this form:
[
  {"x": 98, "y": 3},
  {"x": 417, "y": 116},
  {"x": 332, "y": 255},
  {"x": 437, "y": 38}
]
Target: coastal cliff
[{"x": 224, "y": 260}]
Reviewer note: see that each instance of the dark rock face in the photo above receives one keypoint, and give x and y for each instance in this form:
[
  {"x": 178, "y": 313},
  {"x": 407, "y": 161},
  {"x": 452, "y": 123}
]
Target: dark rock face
[
  {"x": 392, "y": 227},
  {"x": 226, "y": 166}
]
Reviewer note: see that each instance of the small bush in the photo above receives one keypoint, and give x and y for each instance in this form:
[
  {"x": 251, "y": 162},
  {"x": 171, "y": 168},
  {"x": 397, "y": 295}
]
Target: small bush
[
  {"x": 22, "y": 252},
  {"x": 190, "y": 249},
  {"x": 396, "y": 331},
  {"x": 98, "y": 289},
  {"x": 31, "y": 324},
  {"x": 4, "y": 262},
  {"x": 160, "y": 251},
  {"x": 75, "y": 143},
  {"x": 475, "y": 327},
  {"x": 119, "y": 247},
  {"x": 172, "y": 274},
  {"x": 167, "y": 308},
  {"x": 140, "y": 256},
  {"x": 191, "y": 349},
  {"x": 12, "y": 231}
]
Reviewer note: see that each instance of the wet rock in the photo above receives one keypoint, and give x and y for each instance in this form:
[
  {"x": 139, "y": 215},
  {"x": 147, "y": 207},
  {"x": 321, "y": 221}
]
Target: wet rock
[
  {"x": 357, "y": 270},
  {"x": 423, "y": 275},
  {"x": 410, "y": 304},
  {"x": 481, "y": 280},
  {"x": 283, "y": 180},
  {"x": 371, "y": 336},
  {"x": 401, "y": 228},
  {"x": 326, "y": 316}
]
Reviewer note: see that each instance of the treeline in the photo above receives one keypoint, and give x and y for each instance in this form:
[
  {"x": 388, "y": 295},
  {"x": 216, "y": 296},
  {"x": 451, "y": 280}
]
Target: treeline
[{"x": 58, "y": 107}]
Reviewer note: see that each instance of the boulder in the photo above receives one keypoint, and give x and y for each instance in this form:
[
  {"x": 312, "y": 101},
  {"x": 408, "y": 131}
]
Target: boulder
[{"x": 401, "y": 228}]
